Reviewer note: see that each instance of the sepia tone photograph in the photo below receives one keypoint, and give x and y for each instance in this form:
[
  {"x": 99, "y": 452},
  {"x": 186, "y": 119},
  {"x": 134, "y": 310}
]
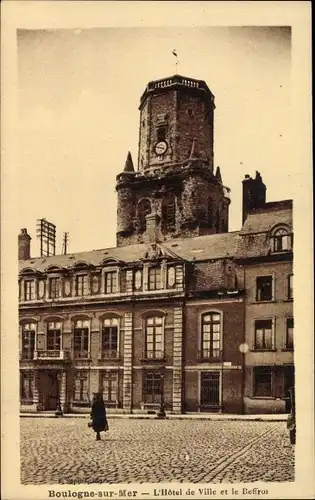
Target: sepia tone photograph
[{"x": 155, "y": 242}]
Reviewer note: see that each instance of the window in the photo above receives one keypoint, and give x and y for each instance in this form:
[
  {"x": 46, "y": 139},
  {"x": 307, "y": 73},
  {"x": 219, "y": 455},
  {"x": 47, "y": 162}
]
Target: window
[
  {"x": 27, "y": 385},
  {"x": 154, "y": 338},
  {"x": 155, "y": 278},
  {"x": 152, "y": 387},
  {"x": 210, "y": 335},
  {"x": 110, "y": 387},
  {"x": 81, "y": 387},
  {"x": 29, "y": 290},
  {"x": 168, "y": 212},
  {"x": 263, "y": 334},
  {"x": 144, "y": 208},
  {"x": 161, "y": 134},
  {"x": 281, "y": 240},
  {"x": 262, "y": 381},
  {"x": 81, "y": 339},
  {"x": 82, "y": 285},
  {"x": 54, "y": 288},
  {"x": 110, "y": 338},
  {"x": 290, "y": 286},
  {"x": 264, "y": 288},
  {"x": 289, "y": 333},
  {"x": 217, "y": 220},
  {"x": 53, "y": 336},
  {"x": 210, "y": 213},
  {"x": 28, "y": 340},
  {"x": 111, "y": 282}
]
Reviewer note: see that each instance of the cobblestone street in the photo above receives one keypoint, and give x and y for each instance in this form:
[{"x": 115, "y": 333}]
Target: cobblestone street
[{"x": 64, "y": 451}]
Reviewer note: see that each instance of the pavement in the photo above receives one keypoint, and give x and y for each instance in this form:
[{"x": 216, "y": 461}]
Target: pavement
[
  {"x": 280, "y": 417},
  {"x": 64, "y": 451}
]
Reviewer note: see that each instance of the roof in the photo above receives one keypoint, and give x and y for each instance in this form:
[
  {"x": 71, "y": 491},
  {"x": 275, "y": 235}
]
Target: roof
[
  {"x": 207, "y": 247},
  {"x": 254, "y": 237},
  {"x": 264, "y": 219}
]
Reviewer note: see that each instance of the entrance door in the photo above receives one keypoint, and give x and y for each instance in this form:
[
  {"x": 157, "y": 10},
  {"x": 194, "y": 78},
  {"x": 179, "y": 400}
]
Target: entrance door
[
  {"x": 51, "y": 399},
  {"x": 210, "y": 389}
]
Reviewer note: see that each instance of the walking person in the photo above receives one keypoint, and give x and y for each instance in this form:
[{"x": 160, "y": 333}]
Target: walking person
[{"x": 98, "y": 415}]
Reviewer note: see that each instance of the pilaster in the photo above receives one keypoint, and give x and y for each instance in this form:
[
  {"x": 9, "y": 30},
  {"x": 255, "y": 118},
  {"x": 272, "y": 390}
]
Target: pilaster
[
  {"x": 177, "y": 359},
  {"x": 127, "y": 380}
]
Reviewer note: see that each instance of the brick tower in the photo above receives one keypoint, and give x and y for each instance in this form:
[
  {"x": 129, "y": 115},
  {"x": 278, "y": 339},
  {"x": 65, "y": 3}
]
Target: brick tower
[{"x": 175, "y": 192}]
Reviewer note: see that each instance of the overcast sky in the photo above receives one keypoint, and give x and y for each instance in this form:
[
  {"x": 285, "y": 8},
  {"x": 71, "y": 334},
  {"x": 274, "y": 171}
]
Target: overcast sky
[{"x": 79, "y": 93}]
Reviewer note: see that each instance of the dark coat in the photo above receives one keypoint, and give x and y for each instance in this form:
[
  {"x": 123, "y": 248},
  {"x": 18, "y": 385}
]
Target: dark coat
[{"x": 98, "y": 415}]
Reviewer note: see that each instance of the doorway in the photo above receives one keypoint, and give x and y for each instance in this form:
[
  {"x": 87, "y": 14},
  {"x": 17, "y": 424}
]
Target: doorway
[
  {"x": 210, "y": 389},
  {"x": 49, "y": 390}
]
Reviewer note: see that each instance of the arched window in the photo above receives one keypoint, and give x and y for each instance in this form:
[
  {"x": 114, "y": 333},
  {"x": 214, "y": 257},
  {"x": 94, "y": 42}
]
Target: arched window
[
  {"x": 210, "y": 335},
  {"x": 168, "y": 212},
  {"x": 281, "y": 240},
  {"x": 144, "y": 208}
]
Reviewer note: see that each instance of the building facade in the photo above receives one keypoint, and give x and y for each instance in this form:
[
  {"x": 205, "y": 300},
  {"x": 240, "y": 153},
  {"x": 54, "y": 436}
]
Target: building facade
[{"x": 179, "y": 310}]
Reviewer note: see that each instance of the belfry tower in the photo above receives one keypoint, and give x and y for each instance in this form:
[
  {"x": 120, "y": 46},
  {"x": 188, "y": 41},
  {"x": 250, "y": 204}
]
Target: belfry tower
[{"x": 174, "y": 193}]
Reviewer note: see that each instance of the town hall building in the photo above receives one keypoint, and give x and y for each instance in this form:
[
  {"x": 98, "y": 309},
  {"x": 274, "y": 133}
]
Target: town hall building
[{"x": 181, "y": 310}]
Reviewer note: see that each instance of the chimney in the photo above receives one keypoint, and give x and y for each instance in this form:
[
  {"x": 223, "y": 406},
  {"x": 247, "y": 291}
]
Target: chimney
[
  {"x": 152, "y": 234},
  {"x": 24, "y": 245},
  {"x": 254, "y": 194}
]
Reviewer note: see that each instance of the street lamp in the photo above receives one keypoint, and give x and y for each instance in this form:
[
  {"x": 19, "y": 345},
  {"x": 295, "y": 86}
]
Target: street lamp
[
  {"x": 243, "y": 348},
  {"x": 161, "y": 413},
  {"x": 58, "y": 411}
]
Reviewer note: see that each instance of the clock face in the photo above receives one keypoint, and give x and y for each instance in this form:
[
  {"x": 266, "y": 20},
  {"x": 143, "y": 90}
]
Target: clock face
[{"x": 161, "y": 148}]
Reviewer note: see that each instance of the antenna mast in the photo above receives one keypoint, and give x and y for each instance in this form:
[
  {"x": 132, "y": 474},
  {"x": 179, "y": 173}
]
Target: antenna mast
[{"x": 65, "y": 241}]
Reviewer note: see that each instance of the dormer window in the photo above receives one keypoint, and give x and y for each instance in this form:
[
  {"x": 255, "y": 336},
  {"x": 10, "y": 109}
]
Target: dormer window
[
  {"x": 155, "y": 282},
  {"x": 54, "y": 288},
  {"x": 82, "y": 285},
  {"x": 29, "y": 290},
  {"x": 281, "y": 240},
  {"x": 110, "y": 281}
]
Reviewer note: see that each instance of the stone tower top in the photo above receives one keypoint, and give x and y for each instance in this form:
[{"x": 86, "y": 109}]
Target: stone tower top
[
  {"x": 182, "y": 83},
  {"x": 173, "y": 112}
]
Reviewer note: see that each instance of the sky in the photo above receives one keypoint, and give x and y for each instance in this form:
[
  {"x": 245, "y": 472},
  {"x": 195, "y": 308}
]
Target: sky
[{"x": 78, "y": 98}]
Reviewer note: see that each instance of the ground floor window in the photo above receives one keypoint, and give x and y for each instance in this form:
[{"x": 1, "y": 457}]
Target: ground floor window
[
  {"x": 210, "y": 388},
  {"x": 109, "y": 384},
  {"x": 81, "y": 389},
  {"x": 27, "y": 386},
  {"x": 262, "y": 381},
  {"x": 152, "y": 387}
]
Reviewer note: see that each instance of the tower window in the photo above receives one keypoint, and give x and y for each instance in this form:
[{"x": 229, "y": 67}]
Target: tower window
[
  {"x": 144, "y": 208},
  {"x": 189, "y": 112},
  {"x": 161, "y": 134},
  {"x": 210, "y": 213},
  {"x": 168, "y": 212}
]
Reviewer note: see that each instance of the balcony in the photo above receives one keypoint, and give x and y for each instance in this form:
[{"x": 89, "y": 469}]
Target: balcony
[
  {"x": 153, "y": 356},
  {"x": 57, "y": 355},
  {"x": 209, "y": 355},
  {"x": 109, "y": 354},
  {"x": 81, "y": 354},
  {"x": 26, "y": 356}
]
